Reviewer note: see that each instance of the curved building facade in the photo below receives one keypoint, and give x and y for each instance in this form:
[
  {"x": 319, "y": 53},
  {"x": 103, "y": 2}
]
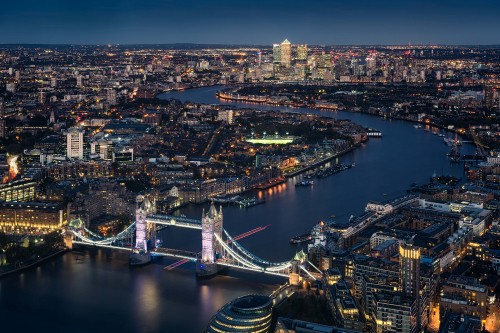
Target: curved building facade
[{"x": 252, "y": 313}]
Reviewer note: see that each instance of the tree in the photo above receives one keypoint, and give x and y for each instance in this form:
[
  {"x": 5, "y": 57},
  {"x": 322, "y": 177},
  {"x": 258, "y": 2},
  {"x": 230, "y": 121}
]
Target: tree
[
  {"x": 53, "y": 240},
  {"x": 4, "y": 240}
]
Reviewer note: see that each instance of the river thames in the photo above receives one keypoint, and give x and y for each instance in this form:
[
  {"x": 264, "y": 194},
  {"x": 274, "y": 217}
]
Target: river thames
[{"x": 96, "y": 291}]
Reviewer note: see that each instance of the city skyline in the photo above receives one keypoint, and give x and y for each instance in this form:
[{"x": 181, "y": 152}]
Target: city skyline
[
  {"x": 252, "y": 23},
  {"x": 251, "y": 166}
]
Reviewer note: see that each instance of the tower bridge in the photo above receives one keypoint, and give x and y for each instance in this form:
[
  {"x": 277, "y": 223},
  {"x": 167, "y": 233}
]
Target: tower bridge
[{"x": 218, "y": 248}]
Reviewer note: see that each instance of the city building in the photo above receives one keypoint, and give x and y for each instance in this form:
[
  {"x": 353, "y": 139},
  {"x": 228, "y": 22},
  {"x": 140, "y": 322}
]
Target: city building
[
  {"x": 302, "y": 53},
  {"x": 286, "y": 325},
  {"x": 286, "y": 53},
  {"x": 464, "y": 295},
  {"x": 226, "y": 116},
  {"x": 18, "y": 191},
  {"x": 252, "y": 313},
  {"x": 31, "y": 217},
  {"x": 395, "y": 312},
  {"x": 74, "y": 143},
  {"x": 105, "y": 199},
  {"x": 111, "y": 96},
  {"x": 343, "y": 307},
  {"x": 460, "y": 323},
  {"x": 277, "y": 53},
  {"x": 410, "y": 269}
]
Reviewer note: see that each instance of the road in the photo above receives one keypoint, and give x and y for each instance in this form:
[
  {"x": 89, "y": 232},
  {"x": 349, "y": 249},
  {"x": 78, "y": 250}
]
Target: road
[{"x": 493, "y": 320}]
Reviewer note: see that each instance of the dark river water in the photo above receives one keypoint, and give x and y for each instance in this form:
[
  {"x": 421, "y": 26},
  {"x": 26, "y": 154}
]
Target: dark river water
[{"x": 96, "y": 291}]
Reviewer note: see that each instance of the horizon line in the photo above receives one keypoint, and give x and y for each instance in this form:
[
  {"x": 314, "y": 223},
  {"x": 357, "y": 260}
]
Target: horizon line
[{"x": 237, "y": 44}]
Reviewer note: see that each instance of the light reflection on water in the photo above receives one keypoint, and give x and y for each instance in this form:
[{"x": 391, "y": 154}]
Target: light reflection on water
[
  {"x": 145, "y": 297},
  {"x": 96, "y": 291}
]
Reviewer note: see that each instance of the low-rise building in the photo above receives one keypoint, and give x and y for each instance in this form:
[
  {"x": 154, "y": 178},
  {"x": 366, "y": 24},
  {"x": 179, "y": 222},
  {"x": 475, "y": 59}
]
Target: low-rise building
[
  {"x": 31, "y": 217},
  {"x": 286, "y": 325},
  {"x": 460, "y": 323},
  {"x": 395, "y": 312},
  {"x": 19, "y": 191},
  {"x": 464, "y": 295}
]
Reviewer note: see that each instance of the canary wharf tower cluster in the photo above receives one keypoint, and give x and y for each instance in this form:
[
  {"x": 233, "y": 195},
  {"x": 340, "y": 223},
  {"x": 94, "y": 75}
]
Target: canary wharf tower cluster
[{"x": 174, "y": 167}]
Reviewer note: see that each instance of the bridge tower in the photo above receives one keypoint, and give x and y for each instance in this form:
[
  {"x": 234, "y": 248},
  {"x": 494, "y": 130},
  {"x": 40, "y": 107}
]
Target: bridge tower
[
  {"x": 211, "y": 224},
  {"x": 144, "y": 231}
]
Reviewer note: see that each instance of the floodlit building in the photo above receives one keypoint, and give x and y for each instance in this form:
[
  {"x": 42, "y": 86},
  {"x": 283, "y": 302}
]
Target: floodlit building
[
  {"x": 26, "y": 217},
  {"x": 286, "y": 53}
]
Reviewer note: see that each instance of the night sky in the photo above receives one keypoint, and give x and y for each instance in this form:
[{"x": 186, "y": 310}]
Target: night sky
[{"x": 250, "y": 22}]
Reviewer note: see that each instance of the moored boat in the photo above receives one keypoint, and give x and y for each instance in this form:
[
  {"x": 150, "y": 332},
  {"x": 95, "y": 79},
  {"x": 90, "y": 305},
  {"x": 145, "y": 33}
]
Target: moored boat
[
  {"x": 301, "y": 239},
  {"x": 249, "y": 202},
  {"x": 304, "y": 183}
]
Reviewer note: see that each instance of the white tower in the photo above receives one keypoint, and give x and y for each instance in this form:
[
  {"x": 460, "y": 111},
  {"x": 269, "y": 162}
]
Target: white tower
[
  {"x": 211, "y": 225},
  {"x": 144, "y": 231},
  {"x": 74, "y": 143}
]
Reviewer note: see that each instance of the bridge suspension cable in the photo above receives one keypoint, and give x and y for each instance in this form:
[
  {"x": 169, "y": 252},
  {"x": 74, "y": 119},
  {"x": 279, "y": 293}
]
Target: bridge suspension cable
[
  {"x": 106, "y": 241},
  {"x": 250, "y": 255}
]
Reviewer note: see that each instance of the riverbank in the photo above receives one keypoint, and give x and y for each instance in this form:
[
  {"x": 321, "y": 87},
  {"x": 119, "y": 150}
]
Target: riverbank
[
  {"x": 232, "y": 96},
  {"x": 321, "y": 162},
  {"x": 30, "y": 265}
]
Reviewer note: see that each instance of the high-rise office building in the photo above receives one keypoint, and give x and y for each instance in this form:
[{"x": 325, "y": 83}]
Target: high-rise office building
[
  {"x": 302, "y": 53},
  {"x": 286, "y": 53},
  {"x": 371, "y": 63},
  {"x": 74, "y": 143},
  {"x": 276, "y": 53}
]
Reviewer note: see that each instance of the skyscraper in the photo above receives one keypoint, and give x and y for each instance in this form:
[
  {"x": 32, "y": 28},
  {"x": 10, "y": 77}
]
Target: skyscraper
[
  {"x": 276, "y": 53},
  {"x": 410, "y": 274},
  {"x": 302, "y": 53},
  {"x": 410, "y": 269},
  {"x": 286, "y": 53},
  {"x": 74, "y": 143}
]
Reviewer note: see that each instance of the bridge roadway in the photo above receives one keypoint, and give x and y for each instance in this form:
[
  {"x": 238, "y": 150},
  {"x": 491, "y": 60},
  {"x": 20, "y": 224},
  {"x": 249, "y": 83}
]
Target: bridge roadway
[
  {"x": 178, "y": 221},
  {"x": 187, "y": 255},
  {"x": 172, "y": 253},
  {"x": 233, "y": 263}
]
